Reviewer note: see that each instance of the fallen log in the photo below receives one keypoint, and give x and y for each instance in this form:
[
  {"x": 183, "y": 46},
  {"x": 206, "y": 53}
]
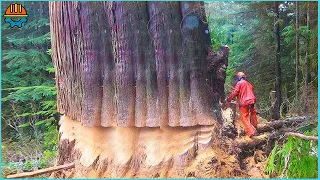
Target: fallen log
[
  {"x": 251, "y": 143},
  {"x": 274, "y": 125},
  {"x": 230, "y": 130},
  {"x": 302, "y": 136},
  {"x": 269, "y": 131},
  {"x": 42, "y": 171}
]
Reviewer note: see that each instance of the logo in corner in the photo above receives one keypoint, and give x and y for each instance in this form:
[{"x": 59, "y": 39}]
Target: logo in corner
[{"x": 15, "y": 11}]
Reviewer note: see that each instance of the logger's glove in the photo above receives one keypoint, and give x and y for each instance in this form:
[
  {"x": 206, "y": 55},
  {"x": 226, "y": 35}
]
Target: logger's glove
[{"x": 225, "y": 104}]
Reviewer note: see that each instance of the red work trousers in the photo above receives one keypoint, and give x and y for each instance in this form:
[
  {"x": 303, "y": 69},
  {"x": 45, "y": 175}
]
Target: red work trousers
[{"x": 248, "y": 116}]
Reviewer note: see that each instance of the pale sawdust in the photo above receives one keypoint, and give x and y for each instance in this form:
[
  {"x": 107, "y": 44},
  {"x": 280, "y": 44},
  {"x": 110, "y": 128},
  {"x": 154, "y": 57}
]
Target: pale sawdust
[
  {"x": 122, "y": 147},
  {"x": 152, "y": 152}
]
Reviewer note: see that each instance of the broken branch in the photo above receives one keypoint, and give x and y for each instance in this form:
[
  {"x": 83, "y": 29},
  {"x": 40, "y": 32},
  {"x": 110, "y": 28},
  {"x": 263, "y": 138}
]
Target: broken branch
[
  {"x": 302, "y": 136},
  {"x": 42, "y": 171}
]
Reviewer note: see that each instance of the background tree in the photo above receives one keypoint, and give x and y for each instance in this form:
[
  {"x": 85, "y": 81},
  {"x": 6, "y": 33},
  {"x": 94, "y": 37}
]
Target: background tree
[
  {"x": 278, "y": 98},
  {"x": 28, "y": 93},
  {"x": 255, "y": 30},
  {"x": 297, "y": 49}
]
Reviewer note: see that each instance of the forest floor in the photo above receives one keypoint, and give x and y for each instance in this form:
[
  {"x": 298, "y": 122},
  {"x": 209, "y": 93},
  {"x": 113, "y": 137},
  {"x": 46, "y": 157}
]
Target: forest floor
[{"x": 214, "y": 162}]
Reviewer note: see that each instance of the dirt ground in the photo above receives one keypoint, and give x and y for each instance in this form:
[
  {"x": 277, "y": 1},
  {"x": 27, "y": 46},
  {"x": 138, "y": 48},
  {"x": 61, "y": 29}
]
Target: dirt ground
[{"x": 216, "y": 163}]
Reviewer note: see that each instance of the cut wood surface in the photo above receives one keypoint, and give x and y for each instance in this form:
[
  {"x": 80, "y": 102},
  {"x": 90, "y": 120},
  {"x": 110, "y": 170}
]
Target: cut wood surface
[{"x": 42, "y": 171}]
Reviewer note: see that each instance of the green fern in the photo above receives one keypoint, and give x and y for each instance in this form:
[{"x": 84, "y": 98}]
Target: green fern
[
  {"x": 270, "y": 165},
  {"x": 302, "y": 164}
]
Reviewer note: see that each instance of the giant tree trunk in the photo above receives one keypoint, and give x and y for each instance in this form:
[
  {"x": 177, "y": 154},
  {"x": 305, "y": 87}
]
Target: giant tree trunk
[
  {"x": 133, "y": 86},
  {"x": 132, "y": 64}
]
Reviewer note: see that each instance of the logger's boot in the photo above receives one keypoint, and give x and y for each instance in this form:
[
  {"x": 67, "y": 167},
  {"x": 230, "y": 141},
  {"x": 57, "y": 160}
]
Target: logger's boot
[{"x": 254, "y": 134}]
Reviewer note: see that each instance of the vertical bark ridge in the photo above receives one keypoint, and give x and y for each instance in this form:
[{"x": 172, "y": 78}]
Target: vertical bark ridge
[
  {"x": 158, "y": 27},
  {"x": 174, "y": 60},
  {"x": 108, "y": 66},
  {"x": 124, "y": 66},
  {"x": 64, "y": 65},
  {"x": 153, "y": 110},
  {"x": 74, "y": 59},
  {"x": 77, "y": 62},
  {"x": 91, "y": 72},
  {"x": 196, "y": 40},
  {"x": 141, "y": 50}
]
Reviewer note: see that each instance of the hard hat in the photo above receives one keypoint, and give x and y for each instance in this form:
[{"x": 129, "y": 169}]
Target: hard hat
[
  {"x": 16, "y": 10},
  {"x": 241, "y": 74}
]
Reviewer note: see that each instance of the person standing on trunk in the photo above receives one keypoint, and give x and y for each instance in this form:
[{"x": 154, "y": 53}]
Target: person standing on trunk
[{"x": 246, "y": 99}]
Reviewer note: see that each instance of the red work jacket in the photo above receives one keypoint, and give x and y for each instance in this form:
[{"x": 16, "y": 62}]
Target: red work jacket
[{"x": 244, "y": 92}]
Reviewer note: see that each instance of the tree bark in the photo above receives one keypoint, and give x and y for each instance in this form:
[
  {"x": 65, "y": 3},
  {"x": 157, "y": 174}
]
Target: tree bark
[
  {"x": 276, "y": 109},
  {"x": 125, "y": 67},
  {"x": 138, "y": 64},
  {"x": 297, "y": 50},
  {"x": 108, "y": 67},
  {"x": 165, "y": 18},
  {"x": 307, "y": 89},
  {"x": 308, "y": 64},
  {"x": 274, "y": 125},
  {"x": 195, "y": 44}
]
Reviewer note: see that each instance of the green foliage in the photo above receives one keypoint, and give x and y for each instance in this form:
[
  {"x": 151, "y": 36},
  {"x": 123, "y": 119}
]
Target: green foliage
[
  {"x": 270, "y": 166},
  {"x": 231, "y": 23},
  {"x": 50, "y": 144},
  {"x": 303, "y": 161},
  {"x": 29, "y": 154},
  {"x": 28, "y": 92},
  {"x": 247, "y": 28}
]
